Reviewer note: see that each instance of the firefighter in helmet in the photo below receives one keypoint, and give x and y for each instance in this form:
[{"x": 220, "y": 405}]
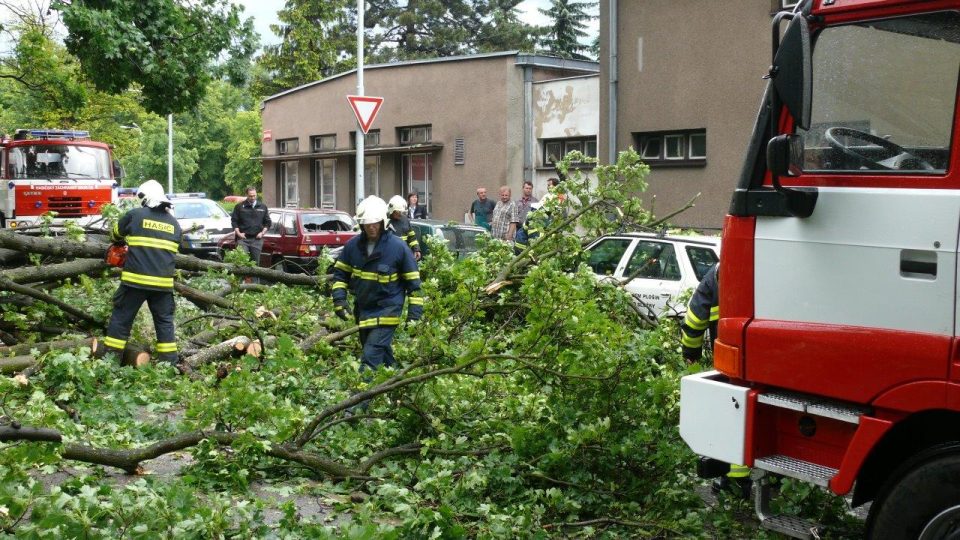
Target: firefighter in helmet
[
  {"x": 400, "y": 224},
  {"x": 153, "y": 236},
  {"x": 380, "y": 271},
  {"x": 703, "y": 312}
]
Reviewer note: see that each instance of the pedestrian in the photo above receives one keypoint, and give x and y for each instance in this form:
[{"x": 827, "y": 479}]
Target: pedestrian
[
  {"x": 505, "y": 217},
  {"x": 153, "y": 237},
  {"x": 250, "y": 220},
  {"x": 703, "y": 312},
  {"x": 481, "y": 209},
  {"x": 400, "y": 224},
  {"x": 526, "y": 200},
  {"x": 380, "y": 271},
  {"x": 414, "y": 210}
]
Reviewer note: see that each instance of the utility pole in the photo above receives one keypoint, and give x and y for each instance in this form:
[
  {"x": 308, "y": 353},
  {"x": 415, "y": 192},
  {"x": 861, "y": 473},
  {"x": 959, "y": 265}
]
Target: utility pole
[{"x": 360, "y": 134}]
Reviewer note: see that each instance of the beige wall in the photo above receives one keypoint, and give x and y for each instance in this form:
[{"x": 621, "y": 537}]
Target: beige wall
[
  {"x": 563, "y": 108},
  {"x": 700, "y": 67}
]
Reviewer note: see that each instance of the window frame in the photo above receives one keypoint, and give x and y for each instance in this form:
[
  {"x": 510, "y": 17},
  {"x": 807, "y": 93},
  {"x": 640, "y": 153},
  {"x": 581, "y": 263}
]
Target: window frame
[
  {"x": 317, "y": 144},
  {"x": 566, "y": 145},
  {"x": 318, "y": 183},
  {"x": 404, "y": 134},
  {"x": 664, "y": 138},
  {"x": 283, "y": 146}
]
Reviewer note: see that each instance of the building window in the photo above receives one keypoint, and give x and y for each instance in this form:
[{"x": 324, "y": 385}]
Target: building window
[
  {"x": 371, "y": 175},
  {"x": 325, "y": 183},
  {"x": 415, "y": 134},
  {"x": 686, "y": 148},
  {"x": 288, "y": 146},
  {"x": 288, "y": 183},
  {"x": 324, "y": 142},
  {"x": 416, "y": 176},
  {"x": 371, "y": 138},
  {"x": 554, "y": 150}
]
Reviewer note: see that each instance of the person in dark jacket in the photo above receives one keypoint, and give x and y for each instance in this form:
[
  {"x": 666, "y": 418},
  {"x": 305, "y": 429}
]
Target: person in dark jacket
[
  {"x": 703, "y": 312},
  {"x": 380, "y": 271},
  {"x": 400, "y": 225},
  {"x": 250, "y": 220},
  {"x": 414, "y": 210},
  {"x": 153, "y": 237}
]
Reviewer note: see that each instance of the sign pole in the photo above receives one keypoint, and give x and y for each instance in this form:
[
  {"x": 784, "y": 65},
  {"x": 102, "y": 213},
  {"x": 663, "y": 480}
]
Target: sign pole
[
  {"x": 360, "y": 134},
  {"x": 170, "y": 153}
]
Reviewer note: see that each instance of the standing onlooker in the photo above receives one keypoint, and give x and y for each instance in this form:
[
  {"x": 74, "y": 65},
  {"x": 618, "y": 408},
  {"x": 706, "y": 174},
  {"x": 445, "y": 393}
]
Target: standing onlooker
[
  {"x": 250, "y": 220},
  {"x": 481, "y": 209},
  {"x": 414, "y": 210},
  {"x": 503, "y": 225},
  {"x": 523, "y": 205}
]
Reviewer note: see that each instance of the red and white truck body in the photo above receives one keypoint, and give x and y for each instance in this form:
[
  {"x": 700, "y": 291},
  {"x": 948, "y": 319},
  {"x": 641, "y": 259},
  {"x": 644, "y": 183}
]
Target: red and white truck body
[
  {"x": 837, "y": 359},
  {"x": 59, "y": 171}
]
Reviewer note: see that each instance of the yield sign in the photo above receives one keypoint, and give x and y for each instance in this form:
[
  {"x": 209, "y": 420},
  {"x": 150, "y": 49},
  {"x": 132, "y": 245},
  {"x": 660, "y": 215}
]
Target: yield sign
[{"x": 365, "y": 107}]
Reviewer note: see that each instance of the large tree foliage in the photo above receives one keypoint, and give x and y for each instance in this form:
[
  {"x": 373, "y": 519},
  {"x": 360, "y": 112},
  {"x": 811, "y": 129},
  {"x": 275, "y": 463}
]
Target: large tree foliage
[
  {"x": 567, "y": 27},
  {"x": 309, "y": 49},
  {"x": 243, "y": 168},
  {"x": 319, "y": 38},
  {"x": 167, "y": 47}
]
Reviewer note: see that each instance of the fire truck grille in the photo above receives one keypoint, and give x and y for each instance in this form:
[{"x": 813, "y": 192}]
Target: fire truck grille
[{"x": 66, "y": 206}]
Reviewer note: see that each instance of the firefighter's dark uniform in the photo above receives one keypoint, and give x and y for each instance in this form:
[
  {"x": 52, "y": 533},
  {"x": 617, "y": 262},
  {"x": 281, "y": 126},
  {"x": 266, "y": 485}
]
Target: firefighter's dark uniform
[
  {"x": 703, "y": 311},
  {"x": 379, "y": 282},
  {"x": 153, "y": 236},
  {"x": 401, "y": 227}
]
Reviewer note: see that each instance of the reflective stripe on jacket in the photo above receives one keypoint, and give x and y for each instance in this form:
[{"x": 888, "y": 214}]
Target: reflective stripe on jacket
[
  {"x": 702, "y": 310},
  {"x": 380, "y": 282},
  {"x": 401, "y": 228},
  {"x": 153, "y": 235}
]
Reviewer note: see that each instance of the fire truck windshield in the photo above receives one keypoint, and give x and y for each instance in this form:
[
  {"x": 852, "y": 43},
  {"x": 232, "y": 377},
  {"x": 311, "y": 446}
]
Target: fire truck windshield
[{"x": 40, "y": 161}]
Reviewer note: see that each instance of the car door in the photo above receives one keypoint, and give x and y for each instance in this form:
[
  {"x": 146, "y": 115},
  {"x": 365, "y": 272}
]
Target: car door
[
  {"x": 654, "y": 277},
  {"x": 271, "y": 238}
]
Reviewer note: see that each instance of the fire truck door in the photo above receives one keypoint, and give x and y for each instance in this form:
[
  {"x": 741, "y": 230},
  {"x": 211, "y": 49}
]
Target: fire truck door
[{"x": 861, "y": 295}]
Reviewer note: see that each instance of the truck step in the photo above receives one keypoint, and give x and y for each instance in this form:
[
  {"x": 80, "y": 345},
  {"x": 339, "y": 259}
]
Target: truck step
[
  {"x": 836, "y": 410},
  {"x": 792, "y": 526},
  {"x": 796, "y": 468}
]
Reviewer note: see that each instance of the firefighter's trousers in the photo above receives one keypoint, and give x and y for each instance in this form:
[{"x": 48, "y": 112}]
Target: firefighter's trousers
[
  {"x": 126, "y": 304},
  {"x": 377, "y": 347}
]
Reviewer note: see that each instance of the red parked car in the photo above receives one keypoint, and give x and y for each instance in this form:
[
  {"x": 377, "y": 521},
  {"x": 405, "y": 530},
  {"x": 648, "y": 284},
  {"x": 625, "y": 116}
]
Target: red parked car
[{"x": 297, "y": 235}]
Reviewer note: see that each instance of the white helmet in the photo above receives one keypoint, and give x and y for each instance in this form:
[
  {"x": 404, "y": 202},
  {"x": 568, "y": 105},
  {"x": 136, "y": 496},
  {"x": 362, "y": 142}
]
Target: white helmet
[
  {"x": 151, "y": 194},
  {"x": 397, "y": 204},
  {"x": 371, "y": 210}
]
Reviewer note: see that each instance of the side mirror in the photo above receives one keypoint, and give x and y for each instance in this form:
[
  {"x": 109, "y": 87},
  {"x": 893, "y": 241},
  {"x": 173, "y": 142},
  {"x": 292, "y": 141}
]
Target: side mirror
[
  {"x": 792, "y": 69},
  {"x": 117, "y": 170},
  {"x": 785, "y": 155}
]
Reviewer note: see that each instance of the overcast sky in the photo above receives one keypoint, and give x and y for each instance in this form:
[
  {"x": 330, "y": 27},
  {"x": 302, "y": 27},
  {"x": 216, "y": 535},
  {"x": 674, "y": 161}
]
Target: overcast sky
[{"x": 264, "y": 13}]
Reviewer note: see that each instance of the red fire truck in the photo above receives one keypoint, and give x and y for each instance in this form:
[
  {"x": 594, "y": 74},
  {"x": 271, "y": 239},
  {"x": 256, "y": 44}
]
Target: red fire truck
[
  {"x": 61, "y": 171},
  {"x": 837, "y": 360}
]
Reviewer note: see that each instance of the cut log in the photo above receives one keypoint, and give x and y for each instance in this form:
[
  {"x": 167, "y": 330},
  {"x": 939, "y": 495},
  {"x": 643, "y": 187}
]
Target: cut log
[
  {"x": 311, "y": 341},
  {"x": 254, "y": 287},
  {"x": 232, "y": 347},
  {"x": 8, "y": 338},
  {"x": 55, "y": 272},
  {"x": 46, "y": 346},
  {"x": 204, "y": 338},
  {"x": 9, "y": 257},
  {"x": 16, "y": 364},
  {"x": 134, "y": 357},
  {"x": 68, "y": 248}
]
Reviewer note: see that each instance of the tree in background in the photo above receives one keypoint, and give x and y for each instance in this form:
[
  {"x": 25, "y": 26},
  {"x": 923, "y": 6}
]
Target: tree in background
[
  {"x": 308, "y": 50},
  {"x": 150, "y": 161},
  {"x": 568, "y": 26},
  {"x": 243, "y": 168},
  {"x": 319, "y": 38},
  {"x": 167, "y": 47}
]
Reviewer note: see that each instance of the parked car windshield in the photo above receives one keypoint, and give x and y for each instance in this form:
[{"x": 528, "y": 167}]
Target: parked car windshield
[
  {"x": 198, "y": 209},
  {"x": 326, "y": 222}
]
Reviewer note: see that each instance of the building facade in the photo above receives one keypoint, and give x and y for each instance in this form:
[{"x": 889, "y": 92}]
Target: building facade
[
  {"x": 681, "y": 82},
  {"x": 446, "y": 127}
]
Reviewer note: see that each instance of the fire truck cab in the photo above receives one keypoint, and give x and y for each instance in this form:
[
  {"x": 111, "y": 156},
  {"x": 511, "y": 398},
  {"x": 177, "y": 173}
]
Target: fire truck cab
[
  {"x": 58, "y": 171},
  {"x": 837, "y": 360}
]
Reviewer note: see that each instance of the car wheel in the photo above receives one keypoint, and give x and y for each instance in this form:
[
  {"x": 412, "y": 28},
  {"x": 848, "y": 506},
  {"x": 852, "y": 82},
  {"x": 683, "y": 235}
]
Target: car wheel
[{"x": 922, "y": 502}]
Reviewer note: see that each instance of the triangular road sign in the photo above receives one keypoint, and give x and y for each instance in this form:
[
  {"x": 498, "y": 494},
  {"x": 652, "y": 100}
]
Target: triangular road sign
[{"x": 365, "y": 107}]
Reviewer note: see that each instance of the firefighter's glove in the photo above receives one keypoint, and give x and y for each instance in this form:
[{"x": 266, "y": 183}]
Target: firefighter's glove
[{"x": 340, "y": 312}]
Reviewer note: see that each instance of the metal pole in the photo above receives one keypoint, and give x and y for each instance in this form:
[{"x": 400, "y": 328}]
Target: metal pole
[
  {"x": 360, "y": 134},
  {"x": 170, "y": 153}
]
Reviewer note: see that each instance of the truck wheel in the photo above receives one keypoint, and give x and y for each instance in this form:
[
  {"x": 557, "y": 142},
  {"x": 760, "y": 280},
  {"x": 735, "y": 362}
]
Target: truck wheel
[{"x": 923, "y": 502}]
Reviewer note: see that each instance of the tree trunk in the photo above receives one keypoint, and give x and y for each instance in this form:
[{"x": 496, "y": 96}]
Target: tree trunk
[
  {"x": 78, "y": 314},
  {"x": 134, "y": 357},
  {"x": 66, "y": 344},
  {"x": 201, "y": 299},
  {"x": 16, "y": 364},
  {"x": 67, "y": 248},
  {"x": 231, "y": 347},
  {"x": 54, "y": 272}
]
